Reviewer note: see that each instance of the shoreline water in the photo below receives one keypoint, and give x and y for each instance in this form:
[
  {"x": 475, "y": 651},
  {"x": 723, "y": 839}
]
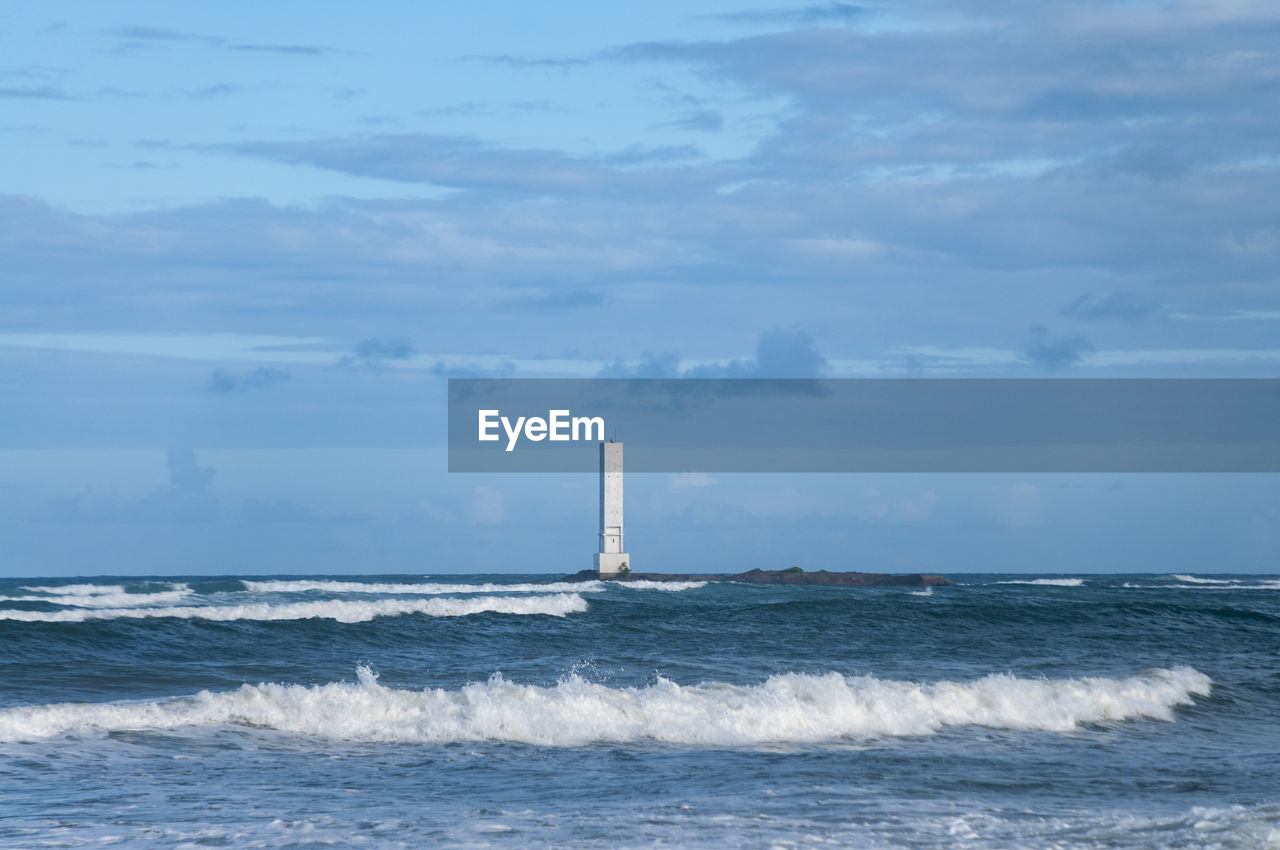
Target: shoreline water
[{"x": 1121, "y": 711}]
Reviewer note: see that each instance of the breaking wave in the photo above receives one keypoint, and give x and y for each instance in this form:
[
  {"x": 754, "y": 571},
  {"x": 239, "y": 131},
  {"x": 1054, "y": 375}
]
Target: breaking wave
[
  {"x": 785, "y": 709},
  {"x": 76, "y": 589},
  {"x": 1206, "y": 584},
  {"x": 103, "y": 598},
  {"x": 1227, "y": 584},
  {"x": 1054, "y": 582},
  {"x": 1273, "y": 585},
  {"x": 644, "y": 584},
  {"x": 429, "y": 589},
  {"x": 556, "y": 605}
]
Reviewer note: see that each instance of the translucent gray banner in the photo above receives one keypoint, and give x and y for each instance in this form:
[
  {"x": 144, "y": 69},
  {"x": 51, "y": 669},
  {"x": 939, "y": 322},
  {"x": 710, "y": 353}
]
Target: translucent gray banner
[{"x": 867, "y": 425}]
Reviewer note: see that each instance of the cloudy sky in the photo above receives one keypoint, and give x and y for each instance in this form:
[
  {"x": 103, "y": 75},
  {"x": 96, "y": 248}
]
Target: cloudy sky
[{"x": 242, "y": 246}]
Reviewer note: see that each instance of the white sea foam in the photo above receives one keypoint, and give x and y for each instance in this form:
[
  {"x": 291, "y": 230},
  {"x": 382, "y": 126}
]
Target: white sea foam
[
  {"x": 643, "y": 584},
  {"x": 1195, "y": 580},
  {"x": 928, "y": 591},
  {"x": 558, "y": 605},
  {"x": 108, "y": 600},
  {"x": 1053, "y": 582},
  {"x": 428, "y": 589},
  {"x": 438, "y": 588},
  {"x": 1268, "y": 585},
  {"x": 790, "y": 709},
  {"x": 77, "y": 589},
  {"x": 1235, "y": 584}
]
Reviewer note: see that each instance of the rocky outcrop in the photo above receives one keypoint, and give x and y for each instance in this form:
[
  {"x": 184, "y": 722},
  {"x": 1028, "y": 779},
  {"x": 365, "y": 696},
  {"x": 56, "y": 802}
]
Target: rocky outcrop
[{"x": 789, "y": 576}]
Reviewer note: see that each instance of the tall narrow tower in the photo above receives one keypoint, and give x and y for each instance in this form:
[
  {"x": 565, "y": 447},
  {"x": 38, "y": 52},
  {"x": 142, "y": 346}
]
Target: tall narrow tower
[{"x": 611, "y": 559}]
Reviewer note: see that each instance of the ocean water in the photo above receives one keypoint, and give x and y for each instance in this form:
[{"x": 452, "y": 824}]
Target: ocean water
[{"x": 504, "y": 711}]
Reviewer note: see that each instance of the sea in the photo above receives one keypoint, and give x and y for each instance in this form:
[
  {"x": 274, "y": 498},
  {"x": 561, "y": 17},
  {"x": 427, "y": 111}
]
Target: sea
[{"x": 1006, "y": 711}]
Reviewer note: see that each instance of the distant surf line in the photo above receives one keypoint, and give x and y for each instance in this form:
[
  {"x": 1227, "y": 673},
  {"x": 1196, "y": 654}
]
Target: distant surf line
[{"x": 345, "y": 611}]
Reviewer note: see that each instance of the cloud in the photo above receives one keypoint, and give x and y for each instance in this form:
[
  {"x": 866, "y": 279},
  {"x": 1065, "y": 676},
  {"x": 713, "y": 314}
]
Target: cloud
[
  {"x": 664, "y": 365},
  {"x": 1115, "y": 90},
  {"x": 874, "y": 505},
  {"x": 779, "y": 354},
  {"x": 113, "y": 91},
  {"x": 188, "y": 497},
  {"x": 287, "y": 49},
  {"x": 1152, "y": 161},
  {"x": 704, "y": 120},
  {"x": 406, "y": 267},
  {"x": 210, "y": 92},
  {"x": 1114, "y": 305},
  {"x": 525, "y": 63},
  {"x": 469, "y": 107},
  {"x": 159, "y": 34},
  {"x": 133, "y": 38},
  {"x": 223, "y": 381},
  {"x": 818, "y": 13},
  {"x": 456, "y": 370},
  {"x": 690, "y": 480},
  {"x": 1055, "y": 353},
  {"x": 467, "y": 163},
  {"x": 555, "y": 302},
  {"x": 899, "y": 183},
  {"x": 34, "y": 93},
  {"x": 186, "y": 477},
  {"x": 376, "y": 351}
]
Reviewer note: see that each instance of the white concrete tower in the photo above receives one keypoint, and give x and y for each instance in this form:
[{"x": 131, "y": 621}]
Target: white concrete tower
[{"x": 611, "y": 559}]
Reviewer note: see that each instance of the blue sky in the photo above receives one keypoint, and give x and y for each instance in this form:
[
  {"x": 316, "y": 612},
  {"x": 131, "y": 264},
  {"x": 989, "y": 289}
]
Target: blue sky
[{"x": 241, "y": 248}]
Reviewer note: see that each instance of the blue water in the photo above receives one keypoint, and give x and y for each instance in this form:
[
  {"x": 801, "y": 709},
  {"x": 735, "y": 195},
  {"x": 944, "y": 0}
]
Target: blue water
[{"x": 478, "y": 711}]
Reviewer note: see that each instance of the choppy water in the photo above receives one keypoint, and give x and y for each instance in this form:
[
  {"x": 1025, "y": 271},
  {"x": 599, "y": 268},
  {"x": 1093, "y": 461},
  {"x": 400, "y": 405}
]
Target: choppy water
[{"x": 1008, "y": 711}]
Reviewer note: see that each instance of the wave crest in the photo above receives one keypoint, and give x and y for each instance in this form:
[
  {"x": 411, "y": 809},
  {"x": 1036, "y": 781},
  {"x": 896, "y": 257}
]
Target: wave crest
[
  {"x": 790, "y": 709},
  {"x": 646, "y": 584},
  {"x": 106, "y": 599},
  {"x": 426, "y": 589},
  {"x": 75, "y": 589},
  {"x": 345, "y": 611}
]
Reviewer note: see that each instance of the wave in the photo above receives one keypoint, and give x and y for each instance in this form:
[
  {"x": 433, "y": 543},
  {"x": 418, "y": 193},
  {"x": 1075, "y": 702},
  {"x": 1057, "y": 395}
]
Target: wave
[
  {"x": 644, "y": 584},
  {"x": 1264, "y": 585},
  {"x": 1270, "y": 585},
  {"x": 431, "y": 589},
  {"x": 106, "y": 599},
  {"x": 1054, "y": 582},
  {"x": 556, "y": 605},
  {"x": 1226, "y": 584},
  {"x": 928, "y": 591},
  {"x": 789, "y": 709},
  {"x": 76, "y": 589},
  {"x": 434, "y": 589}
]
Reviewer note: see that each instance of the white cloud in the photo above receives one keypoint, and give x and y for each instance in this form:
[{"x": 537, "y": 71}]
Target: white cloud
[{"x": 687, "y": 480}]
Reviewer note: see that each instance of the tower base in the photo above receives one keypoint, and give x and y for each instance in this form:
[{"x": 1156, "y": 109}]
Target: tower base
[{"x": 612, "y": 563}]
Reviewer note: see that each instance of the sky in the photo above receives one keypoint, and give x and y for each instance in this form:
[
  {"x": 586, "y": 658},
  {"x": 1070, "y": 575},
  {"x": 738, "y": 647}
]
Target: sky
[{"x": 243, "y": 246}]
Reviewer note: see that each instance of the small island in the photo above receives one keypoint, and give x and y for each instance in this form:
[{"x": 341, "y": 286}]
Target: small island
[{"x": 793, "y": 575}]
